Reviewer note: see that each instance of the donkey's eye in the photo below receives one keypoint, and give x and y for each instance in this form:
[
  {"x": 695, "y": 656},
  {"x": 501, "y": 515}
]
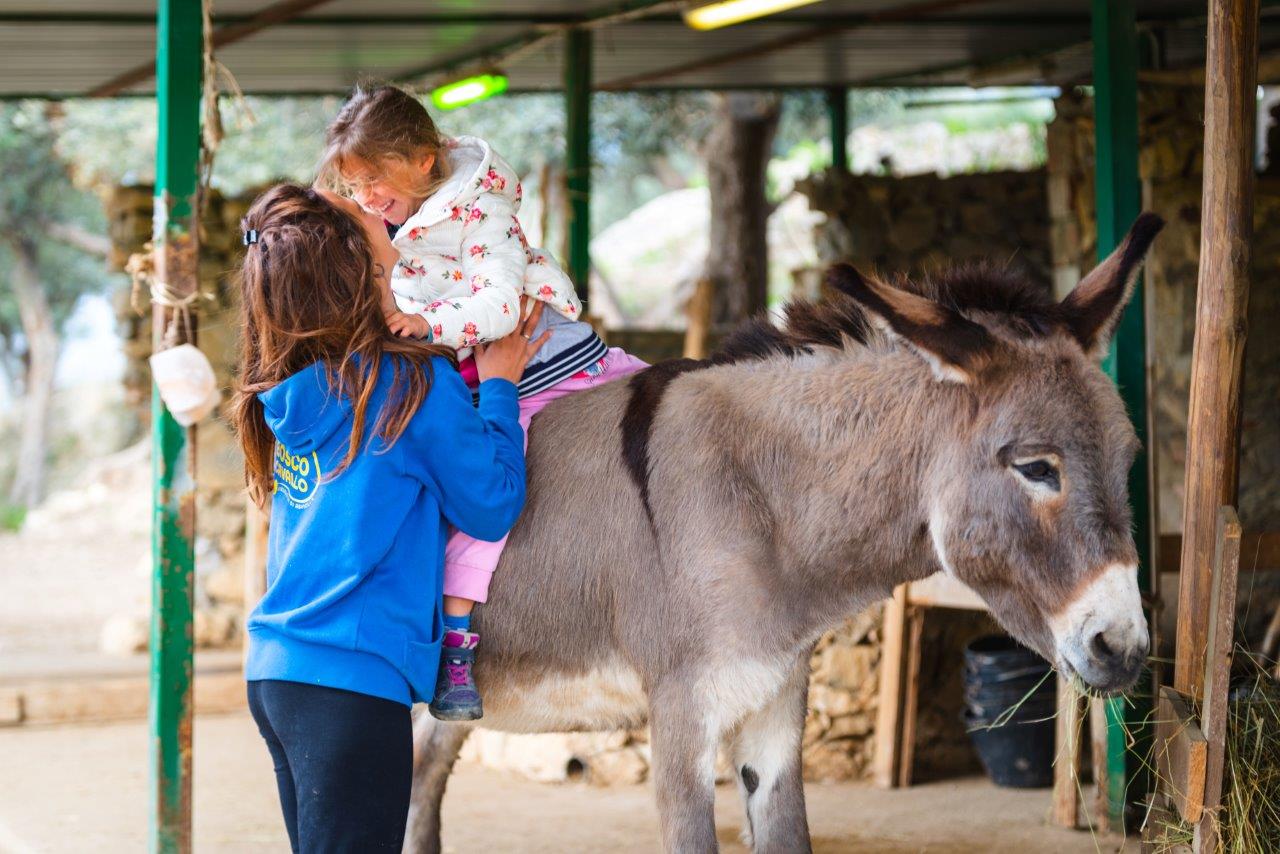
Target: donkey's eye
[{"x": 1041, "y": 472}]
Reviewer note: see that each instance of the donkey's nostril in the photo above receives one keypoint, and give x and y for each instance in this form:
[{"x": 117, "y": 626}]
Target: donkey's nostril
[{"x": 1100, "y": 647}]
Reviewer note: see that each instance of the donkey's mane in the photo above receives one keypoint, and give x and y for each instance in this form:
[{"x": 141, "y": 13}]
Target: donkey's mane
[{"x": 1020, "y": 306}]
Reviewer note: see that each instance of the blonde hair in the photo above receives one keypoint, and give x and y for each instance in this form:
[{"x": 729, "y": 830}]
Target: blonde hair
[{"x": 380, "y": 123}]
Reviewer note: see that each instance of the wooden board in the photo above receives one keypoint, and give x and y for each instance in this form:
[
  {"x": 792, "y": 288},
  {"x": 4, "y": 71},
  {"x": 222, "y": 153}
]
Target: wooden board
[
  {"x": 1181, "y": 752},
  {"x": 910, "y": 694},
  {"x": 1217, "y": 673},
  {"x": 942, "y": 591},
  {"x": 1259, "y": 552}
]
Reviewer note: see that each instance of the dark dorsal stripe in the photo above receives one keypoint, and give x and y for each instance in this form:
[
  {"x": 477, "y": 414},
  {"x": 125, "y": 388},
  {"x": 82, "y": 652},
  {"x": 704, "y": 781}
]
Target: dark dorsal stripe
[{"x": 647, "y": 389}]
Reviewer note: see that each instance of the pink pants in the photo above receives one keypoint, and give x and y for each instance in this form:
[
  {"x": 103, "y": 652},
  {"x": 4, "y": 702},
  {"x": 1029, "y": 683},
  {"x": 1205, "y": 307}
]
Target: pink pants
[{"x": 469, "y": 563}]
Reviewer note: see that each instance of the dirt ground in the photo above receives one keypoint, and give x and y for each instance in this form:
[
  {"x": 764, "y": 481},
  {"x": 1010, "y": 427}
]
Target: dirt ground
[
  {"x": 78, "y": 560},
  {"x": 83, "y": 788}
]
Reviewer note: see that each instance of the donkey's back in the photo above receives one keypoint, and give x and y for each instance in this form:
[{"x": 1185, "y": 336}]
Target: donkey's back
[{"x": 555, "y": 649}]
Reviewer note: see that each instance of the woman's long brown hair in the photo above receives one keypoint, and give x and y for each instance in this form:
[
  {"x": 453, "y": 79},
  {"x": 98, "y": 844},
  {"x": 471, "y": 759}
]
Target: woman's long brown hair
[{"x": 309, "y": 294}]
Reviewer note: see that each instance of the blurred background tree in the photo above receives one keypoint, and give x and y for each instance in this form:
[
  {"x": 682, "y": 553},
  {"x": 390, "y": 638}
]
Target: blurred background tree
[{"x": 51, "y": 246}]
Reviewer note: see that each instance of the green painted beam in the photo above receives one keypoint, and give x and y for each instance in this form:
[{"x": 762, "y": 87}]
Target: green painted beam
[
  {"x": 178, "y": 75},
  {"x": 577, "y": 116},
  {"x": 1119, "y": 201},
  {"x": 838, "y": 124}
]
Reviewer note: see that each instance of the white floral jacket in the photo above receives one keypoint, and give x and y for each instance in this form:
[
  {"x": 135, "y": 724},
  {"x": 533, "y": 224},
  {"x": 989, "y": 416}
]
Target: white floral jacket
[{"x": 464, "y": 260}]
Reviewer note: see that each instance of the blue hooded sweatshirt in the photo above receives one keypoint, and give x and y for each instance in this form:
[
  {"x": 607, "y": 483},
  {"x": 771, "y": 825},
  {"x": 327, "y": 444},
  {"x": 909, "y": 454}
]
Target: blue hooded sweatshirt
[{"x": 355, "y": 563}]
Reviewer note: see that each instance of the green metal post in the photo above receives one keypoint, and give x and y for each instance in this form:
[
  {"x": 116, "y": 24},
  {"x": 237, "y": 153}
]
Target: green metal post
[
  {"x": 179, "y": 59},
  {"x": 577, "y": 115},
  {"x": 838, "y": 119},
  {"x": 1119, "y": 201}
]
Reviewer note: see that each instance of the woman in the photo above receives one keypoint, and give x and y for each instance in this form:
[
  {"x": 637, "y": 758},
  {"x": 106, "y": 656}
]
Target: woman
[{"x": 367, "y": 447}]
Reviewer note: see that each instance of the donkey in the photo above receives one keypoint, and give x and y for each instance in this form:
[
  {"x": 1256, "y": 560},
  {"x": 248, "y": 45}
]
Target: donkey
[{"x": 722, "y": 515}]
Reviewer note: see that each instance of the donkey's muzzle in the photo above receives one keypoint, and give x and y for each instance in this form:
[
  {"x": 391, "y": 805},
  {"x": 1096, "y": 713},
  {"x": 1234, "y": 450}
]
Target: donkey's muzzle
[
  {"x": 1115, "y": 659},
  {"x": 1102, "y": 635}
]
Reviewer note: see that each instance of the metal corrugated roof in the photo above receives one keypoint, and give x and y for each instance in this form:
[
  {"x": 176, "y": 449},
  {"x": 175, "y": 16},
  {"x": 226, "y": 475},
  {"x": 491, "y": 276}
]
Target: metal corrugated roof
[{"x": 71, "y": 47}]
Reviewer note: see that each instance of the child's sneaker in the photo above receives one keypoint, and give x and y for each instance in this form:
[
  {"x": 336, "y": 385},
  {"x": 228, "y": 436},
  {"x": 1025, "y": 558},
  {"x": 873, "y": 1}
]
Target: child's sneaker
[{"x": 457, "y": 698}]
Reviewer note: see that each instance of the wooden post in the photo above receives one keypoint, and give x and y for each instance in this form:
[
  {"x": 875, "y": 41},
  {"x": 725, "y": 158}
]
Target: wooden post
[
  {"x": 255, "y": 563},
  {"x": 910, "y": 693},
  {"x": 1115, "y": 79},
  {"x": 698, "y": 332},
  {"x": 179, "y": 62},
  {"x": 1222, "y": 301},
  {"x": 1214, "y": 710},
  {"x": 1066, "y": 763},
  {"x": 887, "y": 760},
  {"x": 577, "y": 115}
]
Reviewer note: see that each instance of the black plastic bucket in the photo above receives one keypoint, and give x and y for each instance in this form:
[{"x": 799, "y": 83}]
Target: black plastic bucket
[{"x": 1010, "y": 702}]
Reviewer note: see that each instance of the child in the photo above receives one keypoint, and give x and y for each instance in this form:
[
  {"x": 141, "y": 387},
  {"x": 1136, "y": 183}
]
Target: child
[
  {"x": 459, "y": 263},
  {"x": 338, "y": 647}
]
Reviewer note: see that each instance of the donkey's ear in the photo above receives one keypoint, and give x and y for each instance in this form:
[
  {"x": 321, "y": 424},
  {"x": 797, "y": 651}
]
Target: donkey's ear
[
  {"x": 954, "y": 346},
  {"x": 1093, "y": 309}
]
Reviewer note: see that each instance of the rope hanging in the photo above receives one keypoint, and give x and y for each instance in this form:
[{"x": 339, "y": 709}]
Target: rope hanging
[{"x": 182, "y": 251}]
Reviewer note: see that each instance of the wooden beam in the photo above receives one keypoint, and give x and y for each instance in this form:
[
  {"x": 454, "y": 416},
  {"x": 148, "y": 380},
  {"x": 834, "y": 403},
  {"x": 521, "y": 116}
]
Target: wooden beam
[
  {"x": 274, "y": 14},
  {"x": 1181, "y": 751},
  {"x": 909, "y": 12},
  {"x": 1221, "y": 317},
  {"x": 509, "y": 50},
  {"x": 1217, "y": 671},
  {"x": 1268, "y": 71},
  {"x": 1259, "y": 552}
]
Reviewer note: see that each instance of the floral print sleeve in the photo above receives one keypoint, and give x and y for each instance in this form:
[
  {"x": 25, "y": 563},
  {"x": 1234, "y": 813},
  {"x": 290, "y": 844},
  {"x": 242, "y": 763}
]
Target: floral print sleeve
[
  {"x": 493, "y": 267},
  {"x": 465, "y": 261}
]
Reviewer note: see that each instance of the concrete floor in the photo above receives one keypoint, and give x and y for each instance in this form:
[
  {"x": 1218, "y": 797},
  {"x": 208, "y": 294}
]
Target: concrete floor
[{"x": 79, "y": 788}]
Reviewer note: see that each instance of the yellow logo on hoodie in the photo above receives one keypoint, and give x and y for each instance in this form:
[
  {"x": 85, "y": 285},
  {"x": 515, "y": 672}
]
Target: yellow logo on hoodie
[{"x": 296, "y": 476}]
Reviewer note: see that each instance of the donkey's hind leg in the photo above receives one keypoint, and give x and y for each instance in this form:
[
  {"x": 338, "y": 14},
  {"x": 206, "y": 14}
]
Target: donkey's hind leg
[
  {"x": 435, "y": 747},
  {"x": 684, "y": 757},
  {"x": 766, "y": 758}
]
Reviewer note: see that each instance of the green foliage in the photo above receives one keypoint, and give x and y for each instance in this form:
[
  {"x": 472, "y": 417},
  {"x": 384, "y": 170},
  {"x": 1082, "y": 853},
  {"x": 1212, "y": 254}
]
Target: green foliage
[
  {"x": 113, "y": 142},
  {"x": 35, "y": 190},
  {"x": 12, "y": 516}
]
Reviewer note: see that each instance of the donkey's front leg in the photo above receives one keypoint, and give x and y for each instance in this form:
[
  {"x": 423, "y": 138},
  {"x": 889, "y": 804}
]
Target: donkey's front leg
[
  {"x": 766, "y": 758},
  {"x": 684, "y": 758}
]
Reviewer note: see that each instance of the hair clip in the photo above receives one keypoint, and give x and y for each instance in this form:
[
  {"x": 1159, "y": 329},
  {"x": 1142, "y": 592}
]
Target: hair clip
[{"x": 250, "y": 237}]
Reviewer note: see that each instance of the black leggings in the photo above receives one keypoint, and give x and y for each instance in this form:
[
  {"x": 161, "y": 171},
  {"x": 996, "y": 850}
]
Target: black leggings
[{"x": 344, "y": 765}]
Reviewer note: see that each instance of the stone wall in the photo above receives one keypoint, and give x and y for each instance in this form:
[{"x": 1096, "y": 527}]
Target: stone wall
[
  {"x": 220, "y": 504},
  {"x": 920, "y": 223}
]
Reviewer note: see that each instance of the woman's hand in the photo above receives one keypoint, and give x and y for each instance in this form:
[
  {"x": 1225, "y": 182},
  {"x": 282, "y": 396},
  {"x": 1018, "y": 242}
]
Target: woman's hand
[{"x": 506, "y": 358}]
